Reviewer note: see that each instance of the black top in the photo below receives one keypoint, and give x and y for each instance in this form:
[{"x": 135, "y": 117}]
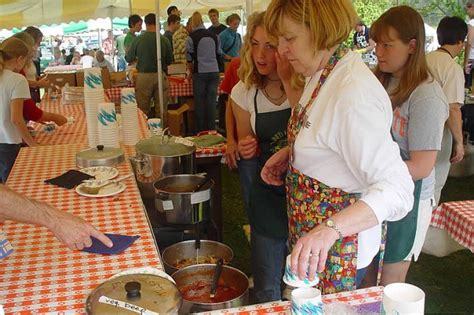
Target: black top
[{"x": 217, "y": 29}]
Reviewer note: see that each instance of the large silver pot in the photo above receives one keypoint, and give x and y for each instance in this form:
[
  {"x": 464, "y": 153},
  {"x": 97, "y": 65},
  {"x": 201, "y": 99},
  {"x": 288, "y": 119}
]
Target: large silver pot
[
  {"x": 130, "y": 293},
  {"x": 160, "y": 156},
  {"x": 187, "y": 250},
  {"x": 203, "y": 273},
  {"x": 176, "y": 199}
]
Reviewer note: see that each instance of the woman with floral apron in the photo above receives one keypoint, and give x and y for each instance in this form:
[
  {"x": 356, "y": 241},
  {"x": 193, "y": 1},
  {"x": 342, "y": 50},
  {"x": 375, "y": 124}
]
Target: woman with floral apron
[
  {"x": 262, "y": 110},
  {"x": 344, "y": 174}
]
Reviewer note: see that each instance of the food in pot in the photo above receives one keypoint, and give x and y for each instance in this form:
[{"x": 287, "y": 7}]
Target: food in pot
[
  {"x": 200, "y": 291},
  {"x": 208, "y": 259}
]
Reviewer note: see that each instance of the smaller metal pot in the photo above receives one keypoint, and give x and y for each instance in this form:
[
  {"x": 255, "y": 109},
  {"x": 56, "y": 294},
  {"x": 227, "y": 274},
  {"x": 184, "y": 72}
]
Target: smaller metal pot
[
  {"x": 176, "y": 198},
  {"x": 187, "y": 249},
  {"x": 204, "y": 273},
  {"x": 99, "y": 156}
]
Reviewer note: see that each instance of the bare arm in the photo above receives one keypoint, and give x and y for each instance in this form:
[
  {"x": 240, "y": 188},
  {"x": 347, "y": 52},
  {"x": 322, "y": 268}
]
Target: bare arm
[
  {"x": 247, "y": 143},
  {"x": 421, "y": 163},
  {"x": 454, "y": 123},
  {"x": 16, "y": 112},
  {"x": 56, "y": 118},
  {"x": 69, "y": 229},
  {"x": 231, "y": 155},
  {"x": 371, "y": 45}
]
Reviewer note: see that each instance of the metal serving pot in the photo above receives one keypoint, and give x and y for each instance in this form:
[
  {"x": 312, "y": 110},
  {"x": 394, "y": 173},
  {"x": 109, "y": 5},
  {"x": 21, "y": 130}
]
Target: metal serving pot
[
  {"x": 203, "y": 274},
  {"x": 135, "y": 293},
  {"x": 187, "y": 250},
  {"x": 176, "y": 198},
  {"x": 160, "y": 156}
]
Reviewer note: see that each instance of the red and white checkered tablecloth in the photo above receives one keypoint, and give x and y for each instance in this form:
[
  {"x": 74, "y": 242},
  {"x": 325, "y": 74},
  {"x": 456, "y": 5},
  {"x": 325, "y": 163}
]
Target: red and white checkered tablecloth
[
  {"x": 354, "y": 298},
  {"x": 42, "y": 275},
  {"x": 457, "y": 218},
  {"x": 185, "y": 88},
  {"x": 77, "y": 131}
]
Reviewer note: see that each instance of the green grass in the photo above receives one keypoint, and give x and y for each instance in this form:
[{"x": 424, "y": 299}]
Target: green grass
[{"x": 448, "y": 281}]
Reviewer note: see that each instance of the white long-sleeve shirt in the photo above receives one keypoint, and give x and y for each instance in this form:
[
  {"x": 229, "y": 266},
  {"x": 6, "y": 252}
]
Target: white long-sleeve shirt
[{"x": 348, "y": 146}]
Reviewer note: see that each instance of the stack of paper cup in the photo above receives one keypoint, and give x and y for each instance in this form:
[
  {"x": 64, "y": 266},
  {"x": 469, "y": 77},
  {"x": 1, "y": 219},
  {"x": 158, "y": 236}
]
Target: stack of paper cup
[
  {"x": 129, "y": 112},
  {"x": 154, "y": 126},
  {"x": 107, "y": 125},
  {"x": 93, "y": 95}
]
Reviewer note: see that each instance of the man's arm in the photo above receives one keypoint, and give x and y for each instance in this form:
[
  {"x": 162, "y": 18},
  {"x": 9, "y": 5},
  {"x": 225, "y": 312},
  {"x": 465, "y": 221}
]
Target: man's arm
[
  {"x": 69, "y": 229},
  {"x": 454, "y": 123}
]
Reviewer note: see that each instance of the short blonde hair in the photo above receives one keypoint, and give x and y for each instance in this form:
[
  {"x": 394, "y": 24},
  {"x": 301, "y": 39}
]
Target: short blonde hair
[
  {"x": 196, "y": 20},
  {"x": 329, "y": 21}
]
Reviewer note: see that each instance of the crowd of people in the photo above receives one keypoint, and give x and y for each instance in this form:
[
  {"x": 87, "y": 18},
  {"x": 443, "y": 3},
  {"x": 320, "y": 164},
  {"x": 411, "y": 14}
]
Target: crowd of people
[{"x": 343, "y": 179}]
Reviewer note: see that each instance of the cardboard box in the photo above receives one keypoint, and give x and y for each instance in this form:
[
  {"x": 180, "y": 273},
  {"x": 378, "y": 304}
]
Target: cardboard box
[
  {"x": 176, "y": 121},
  {"x": 61, "y": 78},
  {"x": 105, "y": 78}
]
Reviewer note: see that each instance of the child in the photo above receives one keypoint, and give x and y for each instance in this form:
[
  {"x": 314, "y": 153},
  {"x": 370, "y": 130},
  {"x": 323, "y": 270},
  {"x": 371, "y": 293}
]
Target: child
[
  {"x": 13, "y": 91},
  {"x": 419, "y": 113}
]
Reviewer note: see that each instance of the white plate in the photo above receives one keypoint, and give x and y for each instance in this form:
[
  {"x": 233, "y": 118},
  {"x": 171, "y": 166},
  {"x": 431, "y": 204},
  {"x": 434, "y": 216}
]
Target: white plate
[
  {"x": 110, "y": 190},
  {"x": 101, "y": 172}
]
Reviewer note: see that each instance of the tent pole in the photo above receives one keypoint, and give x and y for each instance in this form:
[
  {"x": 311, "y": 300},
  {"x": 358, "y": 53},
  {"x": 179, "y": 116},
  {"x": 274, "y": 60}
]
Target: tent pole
[
  {"x": 248, "y": 8},
  {"x": 159, "y": 73}
]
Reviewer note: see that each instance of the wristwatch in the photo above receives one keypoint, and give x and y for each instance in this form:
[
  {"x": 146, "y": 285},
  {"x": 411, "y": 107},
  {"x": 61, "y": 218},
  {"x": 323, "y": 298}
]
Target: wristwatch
[{"x": 331, "y": 224}]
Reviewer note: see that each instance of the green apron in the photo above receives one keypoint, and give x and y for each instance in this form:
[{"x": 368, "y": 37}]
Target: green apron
[
  {"x": 267, "y": 210},
  {"x": 401, "y": 233}
]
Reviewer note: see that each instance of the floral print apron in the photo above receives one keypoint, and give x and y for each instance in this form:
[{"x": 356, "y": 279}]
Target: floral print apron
[{"x": 311, "y": 202}]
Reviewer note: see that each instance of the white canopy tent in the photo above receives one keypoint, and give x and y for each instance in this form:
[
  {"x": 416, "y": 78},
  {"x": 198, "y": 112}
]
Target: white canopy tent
[{"x": 20, "y": 13}]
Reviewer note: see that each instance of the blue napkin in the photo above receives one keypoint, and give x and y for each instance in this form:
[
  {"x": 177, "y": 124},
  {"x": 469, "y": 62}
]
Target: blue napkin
[{"x": 121, "y": 243}]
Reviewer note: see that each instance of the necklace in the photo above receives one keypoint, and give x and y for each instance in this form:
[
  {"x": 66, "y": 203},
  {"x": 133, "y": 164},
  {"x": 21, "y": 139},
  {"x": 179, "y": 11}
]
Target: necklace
[
  {"x": 446, "y": 51},
  {"x": 276, "y": 98},
  {"x": 273, "y": 80}
]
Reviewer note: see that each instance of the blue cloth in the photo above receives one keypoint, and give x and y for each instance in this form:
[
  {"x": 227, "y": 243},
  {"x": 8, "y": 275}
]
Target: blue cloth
[
  {"x": 8, "y": 154},
  {"x": 227, "y": 38},
  {"x": 121, "y": 63},
  {"x": 268, "y": 260},
  {"x": 205, "y": 100},
  {"x": 121, "y": 243},
  {"x": 247, "y": 173}
]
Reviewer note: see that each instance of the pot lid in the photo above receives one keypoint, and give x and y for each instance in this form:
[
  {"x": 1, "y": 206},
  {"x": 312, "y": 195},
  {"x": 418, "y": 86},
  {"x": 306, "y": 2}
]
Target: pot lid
[
  {"x": 165, "y": 146},
  {"x": 100, "y": 155},
  {"x": 135, "y": 293}
]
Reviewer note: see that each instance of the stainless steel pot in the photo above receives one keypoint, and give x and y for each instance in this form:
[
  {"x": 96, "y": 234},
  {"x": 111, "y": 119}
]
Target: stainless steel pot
[
  {"x": 176, "y": 199},
  {"x": 160, "y": 156},
  {"x": 187, "y": 250},
  {"x": 203, "y": 273},
  {"x": 132, "y": 293}
]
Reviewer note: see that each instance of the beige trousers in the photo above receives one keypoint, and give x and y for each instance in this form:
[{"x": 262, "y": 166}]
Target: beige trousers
[{"x": 146, "y": 90}]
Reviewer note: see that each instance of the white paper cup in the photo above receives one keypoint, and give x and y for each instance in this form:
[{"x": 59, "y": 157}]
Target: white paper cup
[
  {"x": 154, "y": 125},
  {"x": 306, "y": 301},
  {"x": 292, "y": 278},
  {"x": 403, "y": 298}
]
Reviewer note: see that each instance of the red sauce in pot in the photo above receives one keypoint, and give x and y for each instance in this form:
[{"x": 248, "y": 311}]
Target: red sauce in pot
[{"x": 199, "y": 292}]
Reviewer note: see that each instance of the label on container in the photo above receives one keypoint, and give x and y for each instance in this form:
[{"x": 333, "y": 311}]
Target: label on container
[
  {"x": 5, "y": 247},
  {"x": 167, "y": 205},
  {"x": 200, "y": 196},
  {"x": 125, "y": 305}
]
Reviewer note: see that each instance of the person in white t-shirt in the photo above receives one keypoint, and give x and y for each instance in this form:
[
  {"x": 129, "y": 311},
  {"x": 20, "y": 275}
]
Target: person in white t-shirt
[
  {"x": 420, "y": 112},
  {"x": 13, "y": 91},
  {"x": 261, "y": 108},
  {"x": 344, "y": 173},
  {"x": 451, "y": 34}
]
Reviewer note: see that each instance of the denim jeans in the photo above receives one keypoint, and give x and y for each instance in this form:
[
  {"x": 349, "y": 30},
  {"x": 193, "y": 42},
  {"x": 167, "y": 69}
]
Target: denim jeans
[
  {"x": 268, "y": 259},
  {"x": 247, "y": 173},
  {"x": 121, "y": 63},
  {"x": 205, "y": 100},
  {"x": 8, "y": 154}
]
